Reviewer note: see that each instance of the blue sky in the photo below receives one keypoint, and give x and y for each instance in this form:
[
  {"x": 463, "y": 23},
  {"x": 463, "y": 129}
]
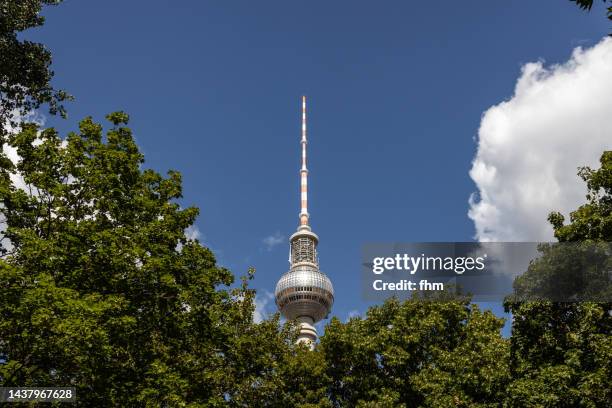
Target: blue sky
[{"x": 396, "y": 94}]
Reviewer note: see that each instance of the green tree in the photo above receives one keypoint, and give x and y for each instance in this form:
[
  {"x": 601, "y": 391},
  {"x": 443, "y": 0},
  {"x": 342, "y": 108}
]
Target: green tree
[
  {"x": 288, "y": 375},
  {"x": 100, "y": 289},
  {"x": 567, "y": 272},
  {"x": 417, "y": 353},
  {"x": 25, "y": 72},
  {"x": 593, "y": 220},
  {"x": 561, "y": 352}
]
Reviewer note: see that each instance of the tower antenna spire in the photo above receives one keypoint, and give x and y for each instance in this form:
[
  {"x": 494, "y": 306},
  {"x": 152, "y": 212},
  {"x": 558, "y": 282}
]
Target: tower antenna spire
[{"x": 304, "y": 171}]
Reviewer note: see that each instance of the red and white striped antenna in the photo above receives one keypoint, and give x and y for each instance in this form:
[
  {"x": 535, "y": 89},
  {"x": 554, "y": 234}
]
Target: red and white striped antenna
[{"x": 304, "y": 170}]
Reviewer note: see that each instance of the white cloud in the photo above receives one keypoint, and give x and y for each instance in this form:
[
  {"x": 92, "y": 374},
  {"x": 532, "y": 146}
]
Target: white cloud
[
  {"x": 352, "y": 314},
  {"x": 192, "y": 232},
  {"x": 529, "y": 147},
  {"x": 273, "y": 240},
  {"x": 263, "y": 306}
]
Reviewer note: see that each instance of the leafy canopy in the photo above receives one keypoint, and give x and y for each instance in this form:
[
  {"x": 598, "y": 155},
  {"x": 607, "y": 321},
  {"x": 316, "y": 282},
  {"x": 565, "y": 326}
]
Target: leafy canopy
[
  {"x": 561, "y": 353},
  {"x": 100, "y": 288},
  {"x": 25, "y": 66}
]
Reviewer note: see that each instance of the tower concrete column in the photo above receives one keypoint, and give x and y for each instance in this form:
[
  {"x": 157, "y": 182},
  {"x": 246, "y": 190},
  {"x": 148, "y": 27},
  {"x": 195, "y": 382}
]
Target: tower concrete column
[{"x": 308, "y": 333}]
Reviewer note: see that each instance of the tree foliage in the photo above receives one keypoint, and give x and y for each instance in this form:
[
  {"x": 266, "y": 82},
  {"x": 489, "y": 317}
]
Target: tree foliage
[
  {"x": 25, "y": 66},
  {"x": 561, "y": 352},
  {"x": 416, "y": 353},
  {"x": 100, "y": 288},
  {"x": 567, "y": 272},
  {"x": 592, "y": 221}
]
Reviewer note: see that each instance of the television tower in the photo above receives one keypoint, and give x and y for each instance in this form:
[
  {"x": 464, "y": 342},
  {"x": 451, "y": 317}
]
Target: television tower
[{"x": 304, "y": 293}]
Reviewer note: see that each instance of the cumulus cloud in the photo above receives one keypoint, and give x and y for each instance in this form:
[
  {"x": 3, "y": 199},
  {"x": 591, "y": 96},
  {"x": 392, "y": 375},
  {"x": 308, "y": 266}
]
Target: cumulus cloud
[
  {"x": 273, "y": 240},
  {"x": 530, "y": 146},
  {"x": 263, "y": 306},
  {"x": 192, "y": 232}
]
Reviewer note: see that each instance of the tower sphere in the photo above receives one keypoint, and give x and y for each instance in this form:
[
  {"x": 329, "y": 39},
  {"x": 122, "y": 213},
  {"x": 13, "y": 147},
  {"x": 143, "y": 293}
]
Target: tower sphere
[{"x": 304, "y": 291}]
